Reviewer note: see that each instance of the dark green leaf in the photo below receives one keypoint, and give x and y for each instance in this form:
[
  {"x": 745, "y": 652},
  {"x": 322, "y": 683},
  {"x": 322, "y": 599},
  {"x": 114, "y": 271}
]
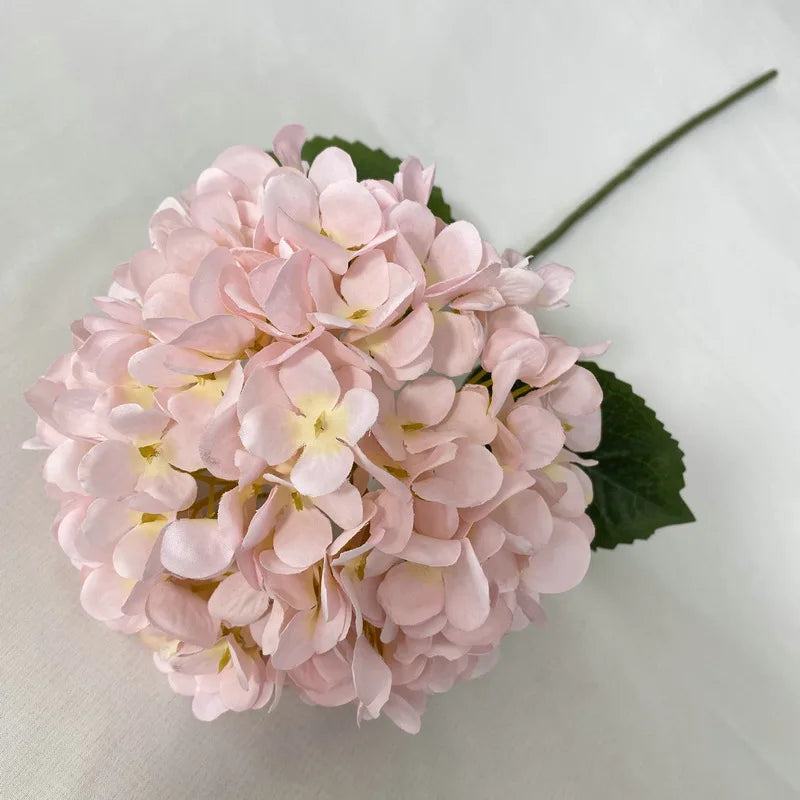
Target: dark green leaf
[
  {"x": 373, "y": 163},
  {"x": 638, "y": 479}
]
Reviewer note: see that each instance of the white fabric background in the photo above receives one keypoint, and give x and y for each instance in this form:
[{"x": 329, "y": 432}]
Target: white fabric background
[{"x": 672, "y": 671}]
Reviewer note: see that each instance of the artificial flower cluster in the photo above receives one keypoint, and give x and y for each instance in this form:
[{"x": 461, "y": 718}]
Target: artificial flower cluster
[{"x": 269, "y": 464}]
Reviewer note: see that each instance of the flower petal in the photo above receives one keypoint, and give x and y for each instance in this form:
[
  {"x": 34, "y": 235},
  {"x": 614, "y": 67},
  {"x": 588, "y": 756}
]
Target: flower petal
[
  {"x": 426, "y": 400},
  {"x": 562, "y": 563},
  {"x": 528, "y": 515},
  {"x": 350, "y": 215},
  {"x": 103, "y": 593},
  {"x": 343, "y": 506},
  {"x": 197, "y": 548},
  {"x": 179, "y": 612},
  {"x": 270, "y": 433},
  {"x": 309, "y": 382},
  {"x": 456, "y": 251},
  {"x": 322, "y": 468},
  {"x": 471, "y": 478},
  {"x": 365, "y": 285},
  {"x": 111, "y": 469},
  {"x": 236, "y": 602},
  {"x": 288, "y": 145},
  {"x": 457, "y": 341},
  {"x": 133, "y": 549},
  {"x": 289, "y": 300},
  {"x": 466, "y": 591},
  {"x": 221, "y": 336},
  {"x": 331, "y": 165},
  {"x": 411, "y": 593},
  {"x": 361, "y": 409},
  {"x": 296, "y": 641},
  {"x": 294, "y": 194},
  {"x": 431, "y": 551},
  {"x": 302, "y": 538},
  {"x": 371, "y": 677},
  {"x": 540, "y": 433}
]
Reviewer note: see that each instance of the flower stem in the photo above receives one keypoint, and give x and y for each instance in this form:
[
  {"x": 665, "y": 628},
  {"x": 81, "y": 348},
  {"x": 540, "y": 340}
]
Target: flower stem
[{"x": 643, "y": 158}]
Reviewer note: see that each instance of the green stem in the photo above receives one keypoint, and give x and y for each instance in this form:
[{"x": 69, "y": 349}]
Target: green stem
[{"x": 643, "y": 158}]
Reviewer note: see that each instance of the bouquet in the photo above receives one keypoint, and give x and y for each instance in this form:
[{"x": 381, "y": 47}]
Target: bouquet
[{"x": 318, "y": 436}]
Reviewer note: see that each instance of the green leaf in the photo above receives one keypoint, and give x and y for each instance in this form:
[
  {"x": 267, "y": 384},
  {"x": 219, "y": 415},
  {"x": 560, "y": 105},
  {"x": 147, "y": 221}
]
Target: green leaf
[
  {"x": 373, "y": 163},
  {"x": 639, "y": 475}
]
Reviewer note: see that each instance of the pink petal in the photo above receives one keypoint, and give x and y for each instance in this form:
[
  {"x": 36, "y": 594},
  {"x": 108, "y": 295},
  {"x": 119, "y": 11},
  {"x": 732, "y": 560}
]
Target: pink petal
[
  {"x": 196, "y": 548},
  {"x": 189, "y": 362},
  {"x": 103, "y": 593},
  {"x": 261, "y": 383},
  {"x": 302, "y": 538},
  {"x": 105, "y": 523},
  {"x": 186, "y": 248},
  {"x": 577, "y": 393},
  {"x": 456, "y": 251},
  {"x": 288, "y": 145},
  {"x": 320, "y": 282},
  {"x": 142, "y": 426},
  {"x": 249, "y": 164},
  {"x": 270, "y": 433},
  {"x": 146, "y": 267},
  {"x": 557, "y": 280},
  {"x": 219, "y": 445},
  {"x": 519, "y": 286},
  {"x": 540, "y": 433},
  {"x": 431, "y": 551},
  {"x": 466, "y": 591},
  {"x": 180, "y": 613},
  {"x": 171, "y": 490},
  {"x": 222, "y": 336},
  {"x": 426, "y": 400},
  {"x": 134, "y": 548},
  {"x": 470, "y": 416},
  {"x": 296, "y": 642},
  {"x": 371, "y": 677},
  {"x": 343, "y": 506},
  {"x": 417, "y": 225},
  {"x": 365, "y": 285},
  {"x": 236, "y": 602},
  {"x": 526, "y": 514},
  {"x": 289, "y": 300},
  {"x": 471, "y": 478},
  {"x": 215, "y": 213},
  {"x": 350, "y": 215},
  {"x": 204, "y": 291},
  {"x": 111, "y": 469},
  {"x": 331, "y": 165},
  {"x": 263, "y": 520},
  {"x": 411, "y": 593},
  {"x": 562, "y": 563},
  {"x": 361, "y": 407},
  {"x": 294, "y": 194},
  {"x": 435, "y": 519},
  {"x": 149, "y": 368},
  {"x": 405, "y": 341},
  {"x": 62, "y": 467},
  {"x": 334, "y": 256},
  {"x": 403, "y": 713},
  {"x": 322, "y": 469},
  {"x": 207, "y": 707},
  {"x": 308, "y": 377},
  {"x": 457, "y": 341},
  {"x": 487, "y": 537}
]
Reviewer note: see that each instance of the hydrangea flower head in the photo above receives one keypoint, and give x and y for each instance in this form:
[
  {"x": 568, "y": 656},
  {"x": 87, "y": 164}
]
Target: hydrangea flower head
[{"x": 268, "y": 462}]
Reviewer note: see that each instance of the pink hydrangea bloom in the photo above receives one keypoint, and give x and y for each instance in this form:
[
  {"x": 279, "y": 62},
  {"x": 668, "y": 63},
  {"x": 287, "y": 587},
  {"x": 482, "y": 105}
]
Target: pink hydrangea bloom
[{"x": 268, "y": 463}]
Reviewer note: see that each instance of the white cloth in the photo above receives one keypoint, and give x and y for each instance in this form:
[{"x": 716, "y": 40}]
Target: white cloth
[{"x": 672, "y": 671}]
